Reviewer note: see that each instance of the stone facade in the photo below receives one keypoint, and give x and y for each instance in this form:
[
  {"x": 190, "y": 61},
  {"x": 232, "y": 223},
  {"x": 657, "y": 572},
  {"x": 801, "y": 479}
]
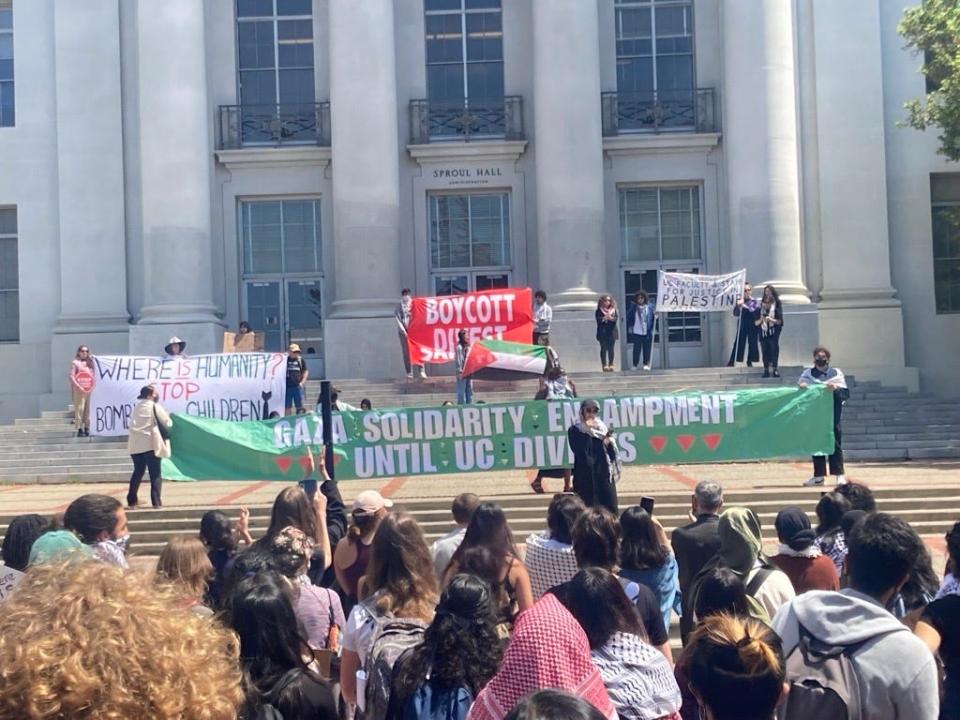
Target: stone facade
[{"x": 129, "y": 200}]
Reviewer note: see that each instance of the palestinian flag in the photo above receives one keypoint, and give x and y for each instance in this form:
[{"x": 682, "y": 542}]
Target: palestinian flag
[{"x": 491, "y": 359}]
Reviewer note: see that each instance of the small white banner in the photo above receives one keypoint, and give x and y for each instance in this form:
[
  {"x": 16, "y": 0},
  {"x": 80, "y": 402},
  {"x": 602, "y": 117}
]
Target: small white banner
[
  {"x": 689, "y": 292},
  {"x": 231, "y": 386},
  {"x": 9, "y": 579}
]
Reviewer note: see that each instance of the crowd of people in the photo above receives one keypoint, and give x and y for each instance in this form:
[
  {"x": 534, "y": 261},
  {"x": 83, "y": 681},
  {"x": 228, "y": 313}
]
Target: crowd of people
[{"x": 338, "y": 613}]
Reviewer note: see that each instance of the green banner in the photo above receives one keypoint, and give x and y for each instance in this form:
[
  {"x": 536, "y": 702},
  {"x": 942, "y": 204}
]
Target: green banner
[{"x": 688, "y": 427}]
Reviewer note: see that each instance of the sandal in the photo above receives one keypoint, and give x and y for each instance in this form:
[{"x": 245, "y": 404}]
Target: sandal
[{"x": 537, "y": 485}]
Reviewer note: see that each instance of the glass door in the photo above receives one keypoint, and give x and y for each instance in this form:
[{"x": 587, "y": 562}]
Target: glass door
[
  {"x": 678, "y": 337},
  {"x": 303, "y": 315},
  {"x": 264, "y": 312}
]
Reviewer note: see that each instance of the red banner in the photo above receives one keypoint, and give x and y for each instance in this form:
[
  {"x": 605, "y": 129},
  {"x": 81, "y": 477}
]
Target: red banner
[{"x": 505, "y": 314}]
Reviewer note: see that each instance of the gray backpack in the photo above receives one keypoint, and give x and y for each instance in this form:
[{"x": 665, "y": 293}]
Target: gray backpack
[
  {"x": 391, "y": 638},
  {"x": 823, "y": 681}
]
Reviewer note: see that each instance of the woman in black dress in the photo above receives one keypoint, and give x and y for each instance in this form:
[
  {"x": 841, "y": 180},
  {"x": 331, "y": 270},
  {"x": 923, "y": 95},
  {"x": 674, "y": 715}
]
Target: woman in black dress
[
  {"x": 596, "y": 459},
  {"x": 769, "y": 322}
]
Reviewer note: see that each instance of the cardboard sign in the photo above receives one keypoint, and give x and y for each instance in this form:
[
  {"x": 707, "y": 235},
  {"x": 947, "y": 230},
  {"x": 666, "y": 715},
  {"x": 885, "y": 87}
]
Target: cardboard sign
[
  {"x": 503, "y": 314},
  {"x": 9, "y": 579}
]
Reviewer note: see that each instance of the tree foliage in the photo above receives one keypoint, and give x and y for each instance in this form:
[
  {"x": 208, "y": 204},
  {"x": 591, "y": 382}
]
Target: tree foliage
[{"x": 933, "y": 29}]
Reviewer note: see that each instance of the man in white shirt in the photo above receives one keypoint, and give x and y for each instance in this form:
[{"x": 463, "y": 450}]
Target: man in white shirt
[
  {"x": 444, "y": 548},
  {"x": 542, "y": 317}
]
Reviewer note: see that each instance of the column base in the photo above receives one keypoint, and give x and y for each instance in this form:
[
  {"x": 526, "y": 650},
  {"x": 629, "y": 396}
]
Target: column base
[
  {"x": 189, "y": 313},
  {"x": 792, "y": 292},
  {"x": 64, "y": 344},
  {"x": 863, "y": 336},
  {"x": 574, "y": 299},
  {"x": 573, "y": 334},
  {"x": 362, "y": 348},
  {"x": 201, "y": 337},
  {"x": 802, "y": 331},
  {"x": 368, "y": 308}
]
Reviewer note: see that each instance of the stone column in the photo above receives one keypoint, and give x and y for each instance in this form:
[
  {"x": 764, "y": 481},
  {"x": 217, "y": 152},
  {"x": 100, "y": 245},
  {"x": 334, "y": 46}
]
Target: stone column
[
  {"x": 93, "y": 289},
  {"x": 366, "y": 191},
  {"x": 569, "y": 165},
  {"x": 175, "y": 165},
  {"x": 760, "y": 137},
  {"x": 860, "y": 317}
]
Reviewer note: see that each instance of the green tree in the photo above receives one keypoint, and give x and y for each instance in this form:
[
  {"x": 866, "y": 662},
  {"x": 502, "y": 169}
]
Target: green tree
[{"x": 933, "y": 29}]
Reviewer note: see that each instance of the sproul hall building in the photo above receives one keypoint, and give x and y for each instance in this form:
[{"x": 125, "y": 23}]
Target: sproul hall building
[{"x": 170, "y": 168}]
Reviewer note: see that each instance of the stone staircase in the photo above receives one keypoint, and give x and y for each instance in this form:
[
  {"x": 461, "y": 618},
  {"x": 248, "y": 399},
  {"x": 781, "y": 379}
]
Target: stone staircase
[{"x": 880, "y": 423}]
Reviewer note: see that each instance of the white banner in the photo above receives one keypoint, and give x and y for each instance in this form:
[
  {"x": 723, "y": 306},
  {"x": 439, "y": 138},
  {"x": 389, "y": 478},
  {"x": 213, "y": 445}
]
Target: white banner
[
  {"x": 689, "y": 292},
  {"x": 232, "y": 386}
]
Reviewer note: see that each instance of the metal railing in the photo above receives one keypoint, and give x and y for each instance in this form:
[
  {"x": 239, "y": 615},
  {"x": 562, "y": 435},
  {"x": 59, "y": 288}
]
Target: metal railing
[
  {"x": 466, "y": 120},
  {"x": 273, "y": 125},
  {"x": 660, "y": 111}
]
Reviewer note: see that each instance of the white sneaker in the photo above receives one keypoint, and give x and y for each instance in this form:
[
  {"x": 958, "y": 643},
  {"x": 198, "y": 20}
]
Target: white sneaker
[
  {"x": 422, "y": 375},
  {"x": 841, "y": 480},
  {"x": 647, "y": 368},
  {"x": 410, "y": 376},
  {"x": 816, "y": 480}
]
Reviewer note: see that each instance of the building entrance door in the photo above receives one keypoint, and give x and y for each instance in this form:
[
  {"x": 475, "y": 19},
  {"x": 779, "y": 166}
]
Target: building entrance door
[
  {"x": 679, "y": 337},
  {"x": 287, "y": 310}
]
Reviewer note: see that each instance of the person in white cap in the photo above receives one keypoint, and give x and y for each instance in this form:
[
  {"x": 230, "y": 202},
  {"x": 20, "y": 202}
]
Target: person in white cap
[
  {"x": 353, "y": 551},
  {"x": 174, "y": 348},
  {"x": 297, "y": 374}
]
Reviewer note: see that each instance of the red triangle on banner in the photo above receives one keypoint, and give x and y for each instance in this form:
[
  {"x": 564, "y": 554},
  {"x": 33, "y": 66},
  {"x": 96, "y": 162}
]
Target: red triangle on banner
[
  {"x": 477, "y": 358},
  {"x": 658, "y": 443},
  {"x": 305, "y": 463},
  {"x": 283, "y": 463},
  {"x": 711, "y": 440},
  {"x": 686, "y": 442}
]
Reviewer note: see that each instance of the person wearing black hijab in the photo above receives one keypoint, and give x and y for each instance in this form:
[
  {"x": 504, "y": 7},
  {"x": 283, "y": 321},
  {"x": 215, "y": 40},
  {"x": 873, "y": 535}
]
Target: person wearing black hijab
[{"x": 799, "y": 556}]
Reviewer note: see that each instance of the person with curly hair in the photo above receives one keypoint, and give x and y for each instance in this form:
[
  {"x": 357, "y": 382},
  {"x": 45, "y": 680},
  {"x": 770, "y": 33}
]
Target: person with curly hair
[
  {"x": 459, "y": 654},
  {"x": 21, "y": 533},
  {"x": 184, "y": 564},
  {"x": 84, "y": 640}
]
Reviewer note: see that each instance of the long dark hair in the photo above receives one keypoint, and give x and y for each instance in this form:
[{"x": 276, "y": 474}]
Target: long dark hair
[
  {"x": 401, "y": 569},
  {"x": 564, "y": 511},
  {"x": 216, "y": 531},
  {"x": 598, "y": 602},
  {"x": 830, "y": 510},
  {"x": 461, "y": 647},
  {"x": 292, "y": 507},
  {"x": 260, "y": 611},
  {"x": 488, "y": 528},
  {"x": 21, "y": 533},
  {"x": 640, "y": 547},
  {"x": 721, "y": 591},
  {"x": 773, "y": 293}
]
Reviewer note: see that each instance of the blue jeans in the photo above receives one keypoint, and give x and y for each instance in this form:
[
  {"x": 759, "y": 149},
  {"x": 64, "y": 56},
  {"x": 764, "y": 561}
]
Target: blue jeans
[
  {"x": 295, "y": 396},
  {"x": 464, "y": 391}
]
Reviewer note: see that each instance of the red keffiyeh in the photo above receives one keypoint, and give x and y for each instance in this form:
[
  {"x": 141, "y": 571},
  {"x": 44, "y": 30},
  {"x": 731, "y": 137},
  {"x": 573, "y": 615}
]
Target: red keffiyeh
[{"x": 548, "y": 649}]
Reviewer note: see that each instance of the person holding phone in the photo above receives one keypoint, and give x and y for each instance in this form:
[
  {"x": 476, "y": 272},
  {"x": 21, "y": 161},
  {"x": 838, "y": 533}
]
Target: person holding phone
[
  {"x": 769, "y": 322},
  {"x": 596, "y": 458}
]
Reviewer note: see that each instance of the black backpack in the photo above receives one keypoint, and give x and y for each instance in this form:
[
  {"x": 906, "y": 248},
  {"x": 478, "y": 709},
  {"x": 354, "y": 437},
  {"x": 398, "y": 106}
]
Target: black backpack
[
  {"x": 823, "y": 681},
  {"x": 267, "y": 708}
]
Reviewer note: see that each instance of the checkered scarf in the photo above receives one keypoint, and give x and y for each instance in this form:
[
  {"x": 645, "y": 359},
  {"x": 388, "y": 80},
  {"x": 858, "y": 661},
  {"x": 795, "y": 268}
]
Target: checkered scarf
[{"x": 548, "y": 649}]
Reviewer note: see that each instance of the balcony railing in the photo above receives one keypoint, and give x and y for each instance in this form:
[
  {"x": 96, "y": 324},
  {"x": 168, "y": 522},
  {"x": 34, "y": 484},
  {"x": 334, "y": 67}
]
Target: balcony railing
[
  {"x": 660, "y": 111},
  {"x": 273, "y": 125},
  {"x": 466, "y": 120}
]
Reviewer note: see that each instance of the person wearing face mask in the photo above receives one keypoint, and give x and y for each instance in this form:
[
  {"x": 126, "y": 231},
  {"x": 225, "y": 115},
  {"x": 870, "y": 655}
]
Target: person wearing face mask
[
  {"x": 402, "y": 314},
  {"x": 821, "y": 373},
  {"x": 100, "y": 522}
]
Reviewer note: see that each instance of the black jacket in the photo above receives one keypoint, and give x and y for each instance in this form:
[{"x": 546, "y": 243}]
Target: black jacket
[{"x": 694, "y": 545}]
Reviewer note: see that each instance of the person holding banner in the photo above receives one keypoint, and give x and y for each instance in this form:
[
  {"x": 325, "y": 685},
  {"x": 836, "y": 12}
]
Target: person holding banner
[
  {"x": 770, "y": 323},
  {"x": 641, "y": 319},
  {"x": 81, "y": 385},
  {"x": 402, "y": 314},
  {"x": 833, "y": 378},
  {"x": 746, "y": 339},
  {"x": 596, "y": 458},
  {"x": 297, "y": 375},
  {"x": 607, "y": 330},
  {"x": 464, "y": 384},
  {"x": 146, "y": 444}
]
